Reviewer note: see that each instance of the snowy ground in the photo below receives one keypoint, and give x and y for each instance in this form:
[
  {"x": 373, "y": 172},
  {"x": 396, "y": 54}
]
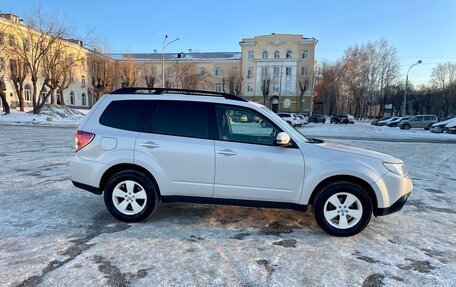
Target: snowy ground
[
  {"x": 49, "y": 116},
  {"x": 53, "y": 234}
]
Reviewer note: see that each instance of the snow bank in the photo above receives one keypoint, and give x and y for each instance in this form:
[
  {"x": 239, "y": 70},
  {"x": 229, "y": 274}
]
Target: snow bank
[{"x": 51, "y": 115}]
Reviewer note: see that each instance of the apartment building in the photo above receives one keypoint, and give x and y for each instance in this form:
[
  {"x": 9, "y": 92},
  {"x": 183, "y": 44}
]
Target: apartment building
[{"x": 275, "y": 69}]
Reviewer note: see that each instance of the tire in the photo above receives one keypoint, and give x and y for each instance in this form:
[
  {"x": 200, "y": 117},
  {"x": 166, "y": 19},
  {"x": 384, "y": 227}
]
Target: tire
[
  {"x": 329, "y": 209},
  {"x": 130, "y": 196},
  {"x": 406, "y": 127},
  {"x": 428, "y": 127},
  {"x": 289, "y": 123}
]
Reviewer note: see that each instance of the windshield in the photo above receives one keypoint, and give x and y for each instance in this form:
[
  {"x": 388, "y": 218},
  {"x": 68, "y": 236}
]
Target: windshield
[{"x": 289, "y": 129}]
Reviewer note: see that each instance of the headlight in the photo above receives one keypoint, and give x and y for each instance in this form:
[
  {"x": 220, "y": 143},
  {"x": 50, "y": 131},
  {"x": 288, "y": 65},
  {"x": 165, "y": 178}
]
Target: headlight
[{"x": 397, "y": 168}]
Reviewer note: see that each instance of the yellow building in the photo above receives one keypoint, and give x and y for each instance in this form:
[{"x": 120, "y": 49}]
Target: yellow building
[{"x": 279, "y": 66}]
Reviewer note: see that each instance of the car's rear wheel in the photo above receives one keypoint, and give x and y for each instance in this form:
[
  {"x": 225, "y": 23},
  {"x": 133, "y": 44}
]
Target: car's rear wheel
[
  {"x": 130, "y": 196},
  {"x": 428, "y": 127},
  {"x": 405, "y": 127},
  {"x": 342, "y": 208}
]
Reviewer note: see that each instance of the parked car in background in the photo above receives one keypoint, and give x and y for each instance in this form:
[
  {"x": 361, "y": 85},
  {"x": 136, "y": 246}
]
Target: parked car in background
[
  {"x": 385, "y": 122},
  {"x": 396, "y": 122},
  {"x": 342, "y": 119},
  {"x": 374, "y": 122},
  {"x": 291, "y": 119},
  {"x": 306, "y": 117},
  {"x": 302, "y": 120},
  {"x": 450, "y": 127},
  {"x": 419, "y": 121},
  {"x": 317, "y": 118},
  {"x": 440, "y": 126}
]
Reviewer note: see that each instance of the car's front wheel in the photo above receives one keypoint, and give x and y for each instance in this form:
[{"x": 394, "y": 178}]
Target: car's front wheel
[
  {"x": 130, "y": 196},
  {"x": 342, "y": 208}
]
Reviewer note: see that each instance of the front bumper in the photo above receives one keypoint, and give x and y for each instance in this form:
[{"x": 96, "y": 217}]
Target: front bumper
[{"x": 393, "y": 208}]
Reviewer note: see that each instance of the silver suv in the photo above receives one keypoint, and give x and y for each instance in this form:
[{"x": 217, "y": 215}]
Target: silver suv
[
  {"x": 418, "y": 121},
  {"x": 140, "y": 147}
]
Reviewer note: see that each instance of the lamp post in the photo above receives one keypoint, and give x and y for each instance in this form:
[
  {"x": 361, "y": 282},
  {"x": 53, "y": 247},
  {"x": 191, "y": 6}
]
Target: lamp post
[
  {"x": 163, "y": 57},
  {"x": 404, "y": 102}
]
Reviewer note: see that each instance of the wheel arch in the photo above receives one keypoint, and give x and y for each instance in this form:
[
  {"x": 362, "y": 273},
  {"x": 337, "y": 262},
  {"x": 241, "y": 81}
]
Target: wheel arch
[
  {"x": 126, "y": 166},
  {"x": 353, "y": 179}
]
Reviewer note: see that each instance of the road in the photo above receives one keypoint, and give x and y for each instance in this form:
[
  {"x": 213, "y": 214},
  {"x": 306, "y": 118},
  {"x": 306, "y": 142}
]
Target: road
[{"x": 53, "y": 234}]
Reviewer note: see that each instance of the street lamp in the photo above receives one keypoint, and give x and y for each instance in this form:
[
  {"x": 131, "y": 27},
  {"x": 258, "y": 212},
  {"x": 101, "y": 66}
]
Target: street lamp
[
  {"x": 404, "y": 102},
  {"x": 163, "y": 57}
]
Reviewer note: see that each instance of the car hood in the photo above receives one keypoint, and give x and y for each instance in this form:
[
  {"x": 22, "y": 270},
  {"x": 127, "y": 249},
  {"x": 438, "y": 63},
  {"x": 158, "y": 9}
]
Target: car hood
[{"x": 359, "y": 151}]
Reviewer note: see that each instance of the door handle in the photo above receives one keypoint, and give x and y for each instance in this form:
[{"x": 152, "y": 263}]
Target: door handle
[
  {"x": 150, "y": 145},
  {"x": 226, "y": 152}
]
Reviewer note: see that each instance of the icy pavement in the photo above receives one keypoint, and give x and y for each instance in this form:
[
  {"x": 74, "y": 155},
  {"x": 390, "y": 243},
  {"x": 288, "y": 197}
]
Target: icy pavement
[{"x": 53, "y": 234}]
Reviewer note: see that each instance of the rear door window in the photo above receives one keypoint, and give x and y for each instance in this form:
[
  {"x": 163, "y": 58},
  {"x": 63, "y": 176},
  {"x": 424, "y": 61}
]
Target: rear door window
[
  {"x": 178, "y": 118},
  {"x": 126, "y": 114}
]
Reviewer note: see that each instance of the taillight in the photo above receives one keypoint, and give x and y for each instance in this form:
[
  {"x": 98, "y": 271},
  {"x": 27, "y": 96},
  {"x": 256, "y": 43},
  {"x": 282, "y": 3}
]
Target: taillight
[{"x": 82, "y": 139}]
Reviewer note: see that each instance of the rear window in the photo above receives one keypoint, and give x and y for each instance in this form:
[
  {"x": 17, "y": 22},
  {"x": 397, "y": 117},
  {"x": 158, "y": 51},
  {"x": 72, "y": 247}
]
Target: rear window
[
  {"x": 126, "y": 115},
  {"x": 179, "y": 118}
]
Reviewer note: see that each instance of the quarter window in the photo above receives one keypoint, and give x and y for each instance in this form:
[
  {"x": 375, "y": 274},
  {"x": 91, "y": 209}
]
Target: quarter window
[
  {"x": 179, "y": 118},
  {"x": 126, "y": 115},
  {"x": 244, "y": 125}
]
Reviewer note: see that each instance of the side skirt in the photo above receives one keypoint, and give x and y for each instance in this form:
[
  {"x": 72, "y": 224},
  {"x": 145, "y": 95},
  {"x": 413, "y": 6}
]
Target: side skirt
[{"x": 235, "y": 202}]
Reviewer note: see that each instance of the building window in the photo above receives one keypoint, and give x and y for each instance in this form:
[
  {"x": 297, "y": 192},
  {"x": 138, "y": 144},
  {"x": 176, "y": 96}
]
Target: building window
[
  {"x": 249, "y": 87},
  {"x": 264, "y": 55},
  {"x": 218, "y": 72},
  {"x": 249, "y": 72},
  {"x": 275, "y": 87},
  {"x": 200, "y": 70},
  {"x": 289, "y": 54},
  {"x": 251, "y": 55},
  {"x": 84, "y": 99},
  {"x": 276, "y": 55},
  {"x": 288, "y": 71},
  {"x": 43, "y": 94},
  {"x": 218, "y": 87},
  {"x": 26, "y": 45},
  {"x": 71, "y": 79},
  {"x": 11, "y": 40},
  {"x": 264, "y": 71},
  {"x": 83, "y": 81},
  {"x": 72, "y": 98},
  {"x": 305, "y": 54},
  {"x": 28, "y": 93},
  {"x": 276, "y": 71},
  {"x": 303, "y": 71}
]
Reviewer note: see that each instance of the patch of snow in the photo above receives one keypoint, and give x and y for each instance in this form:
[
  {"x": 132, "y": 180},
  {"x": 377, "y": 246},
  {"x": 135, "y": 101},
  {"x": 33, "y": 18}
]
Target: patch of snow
[{"x": 51, "y": 115}]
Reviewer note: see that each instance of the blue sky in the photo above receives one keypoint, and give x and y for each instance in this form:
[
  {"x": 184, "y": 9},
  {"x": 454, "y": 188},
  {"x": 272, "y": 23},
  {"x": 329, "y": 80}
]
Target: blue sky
[{"x": 418, "y": 29}]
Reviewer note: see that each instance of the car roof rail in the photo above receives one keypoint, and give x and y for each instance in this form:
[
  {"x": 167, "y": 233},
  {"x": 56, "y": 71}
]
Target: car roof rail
[{"x": 161, "y": 91}]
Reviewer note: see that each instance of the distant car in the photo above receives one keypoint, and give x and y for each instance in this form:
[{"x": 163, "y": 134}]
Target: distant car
[
  {"x": 396, "y": 122},
  {"x": 451, "y": 127},
  {"x": 374, "y": 122},
  {"x": 290, "y": 118},
  {"x": 302, "y": 120},
  {"x": 419, "y": 121},
  {"x": 317, "y": 118},
  {"x": 385, "y": 122},
  {"x": 440, "y": 127},
  {"x": 342, "y": 119}
]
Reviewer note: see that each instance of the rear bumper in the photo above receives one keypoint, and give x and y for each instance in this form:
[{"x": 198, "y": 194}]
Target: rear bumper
[
  {"x": 89, "y": 188},
  {"x": 393, "y": 208}
]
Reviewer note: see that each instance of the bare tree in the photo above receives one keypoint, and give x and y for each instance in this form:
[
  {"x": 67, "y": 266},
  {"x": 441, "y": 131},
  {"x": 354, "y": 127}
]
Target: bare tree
[
  {"x": 58, "y": 65},
  {"x": 304, "y": 83},
  {"x": 102, "y": 73},
  {"x": 150, "y": 76},
  {"x": 4, "y": 56},
  {"x": 128, "y": 71},
  {"x": 185, "y": 76},
  {"x": 265, "y": 88},
  {"x": 18, "y": 74},
  {"x": 33, "y": 42},
  {"x": 233, "y": 84}
]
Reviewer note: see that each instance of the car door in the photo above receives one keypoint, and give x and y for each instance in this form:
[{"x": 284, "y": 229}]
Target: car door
[
  {"x": 248, "y": 165},
  {"x": 175, "y": 145}
]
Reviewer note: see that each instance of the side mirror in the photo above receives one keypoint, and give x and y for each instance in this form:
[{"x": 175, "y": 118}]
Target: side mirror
[{"x": 283, "y": 138}]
